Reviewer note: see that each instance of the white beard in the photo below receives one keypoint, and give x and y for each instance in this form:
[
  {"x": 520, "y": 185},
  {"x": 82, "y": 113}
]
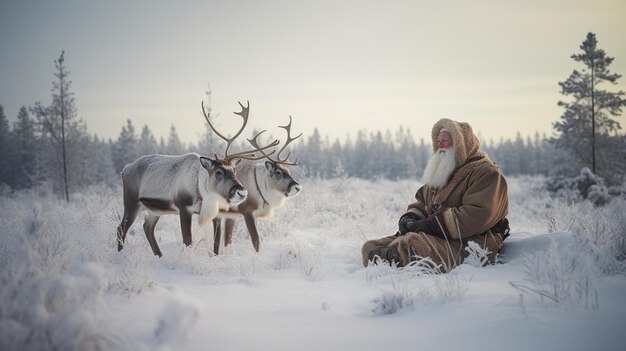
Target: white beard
[{"x": 439, "y": 167}]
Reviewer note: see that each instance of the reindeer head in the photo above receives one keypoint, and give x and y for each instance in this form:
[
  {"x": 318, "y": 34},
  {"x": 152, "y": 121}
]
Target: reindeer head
[
  {"x": 280, "y": 178},
  {"x": 223, "y": 180}
]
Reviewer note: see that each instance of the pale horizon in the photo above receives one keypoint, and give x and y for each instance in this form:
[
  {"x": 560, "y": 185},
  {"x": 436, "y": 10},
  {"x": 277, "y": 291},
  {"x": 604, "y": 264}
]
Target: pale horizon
[{"x": 339, "y": 67}]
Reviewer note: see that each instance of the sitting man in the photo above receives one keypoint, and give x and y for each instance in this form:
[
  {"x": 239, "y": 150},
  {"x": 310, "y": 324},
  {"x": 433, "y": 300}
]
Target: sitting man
[{"x": 464, "y": 199}]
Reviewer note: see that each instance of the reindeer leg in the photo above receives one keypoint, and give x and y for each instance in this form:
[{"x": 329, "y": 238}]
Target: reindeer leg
[
  {"x": 131, "y": 209},
  {"x": 217, "y": 235},
  {"x": 148, "y": 228},
  {"x": 254, "y": 234},
  {"x": 228, "y": 231},
  {"x": 185, "y": 226}
]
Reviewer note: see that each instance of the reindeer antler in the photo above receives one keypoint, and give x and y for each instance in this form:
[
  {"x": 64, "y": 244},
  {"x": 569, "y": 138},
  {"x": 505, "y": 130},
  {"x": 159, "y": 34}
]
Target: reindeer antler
[
  {"x": 278, "y": 159},
  {"x": 289, "y": 140},
  {"x": 247, "y": 155},
  {"x": 255, "y": 143}
]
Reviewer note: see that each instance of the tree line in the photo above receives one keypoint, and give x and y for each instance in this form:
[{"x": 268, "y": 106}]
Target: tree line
[{"x": 30, "y": 153}]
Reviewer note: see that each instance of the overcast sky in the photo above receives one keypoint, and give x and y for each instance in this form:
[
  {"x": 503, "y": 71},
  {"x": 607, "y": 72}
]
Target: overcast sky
[{"x": 340, "y": 66}]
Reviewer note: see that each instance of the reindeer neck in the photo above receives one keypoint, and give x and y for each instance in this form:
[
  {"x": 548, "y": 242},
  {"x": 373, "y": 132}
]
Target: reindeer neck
[{"x": 258, "y": 188}]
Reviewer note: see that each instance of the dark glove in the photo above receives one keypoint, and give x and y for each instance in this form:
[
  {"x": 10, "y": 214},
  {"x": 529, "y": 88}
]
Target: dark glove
[
  {"x": 406, "y": 220},
  {"x": 419, "y": 226}
]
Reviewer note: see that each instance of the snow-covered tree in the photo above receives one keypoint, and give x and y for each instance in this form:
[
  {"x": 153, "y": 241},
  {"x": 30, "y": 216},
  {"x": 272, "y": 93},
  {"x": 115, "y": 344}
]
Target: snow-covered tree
[
  {"x": 6, "y": 152},
  {"x": 174, "y": 145},
  {"x": 62, "y": 133},
  {"x": 147, "y": 144},
  {"x": 101, "y": 163},
  {"x": 313, "y": 154},
  {"x": 587, "y": 124},
  {"x": 209, "y": 143},
  {"x": 26, "y": 146},
  {"x": 422, "y": 154},
  {"x": 125, "y": 150}
]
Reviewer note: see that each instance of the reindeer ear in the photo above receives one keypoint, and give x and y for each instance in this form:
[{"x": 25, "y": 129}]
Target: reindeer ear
[
  {"x": 207, "y": 163},
  {"x": 270, "y": 166},
  {"x": 237, "y": 162}
]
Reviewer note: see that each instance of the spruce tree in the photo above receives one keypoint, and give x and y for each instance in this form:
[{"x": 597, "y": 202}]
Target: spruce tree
[
  {"x": 26, "y": 145},
  {"x": 147, "y": 143},
  {"x": 6, "y": 153},
  {"x": 174, "y": 145},
  {"x": 125, "y": 150},
  {"x": 588, "y": 118},
  {"x": 60, "y": 131}
]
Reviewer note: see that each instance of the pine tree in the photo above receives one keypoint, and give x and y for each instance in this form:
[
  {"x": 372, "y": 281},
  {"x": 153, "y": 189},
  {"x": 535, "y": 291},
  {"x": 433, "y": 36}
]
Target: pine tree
[
  {"x": 25, "y": 140},
  {"x": 147, "y": 144},
  {"x": 335, "y": 160},
  {"x": 313, "y": 154},
  {"x": 209, "y": 143},
  {"x": 59, "y": 127},
  {"x": 174, "y": 145},
  {"x": 406, "y": 154},
  {"x": 125, "y": 150},
  {"x": 79, "y": 143},
  {"x": 6, "y": 152},
  {"x": 359, "y": 160},
  {"x": 422, "y": 154},
  {"x": 102, "y": 163},
  {"x": 587, "y": 119}
]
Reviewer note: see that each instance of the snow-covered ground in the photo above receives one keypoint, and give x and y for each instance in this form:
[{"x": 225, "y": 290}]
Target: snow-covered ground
[{"x": 63, "y": 285}]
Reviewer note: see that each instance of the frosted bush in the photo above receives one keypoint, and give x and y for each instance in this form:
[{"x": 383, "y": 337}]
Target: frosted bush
[
  {"x": 584, "y": 186},
  {"x": 435, "y": 286},
  {"x": 431, "y": 286},
  {"x": 132, "y": 273},
  {"x": 381, "y": 273},
  {"x": 563, "y": 276},
  {"x": 449, "y": 287},
  {"x": 528, "y": 200},
  {"x": 49, "y": 295},
  {"x": 391, "y": 301},
  {"x": 309, "y": 260},
  {"x": 286, "y": 256},
  {"x": 277, "y": 227},
  {"x": 477, "y": 256},
  {"x": 598, "y": 194},
  {"x": 605, "y": 225}
]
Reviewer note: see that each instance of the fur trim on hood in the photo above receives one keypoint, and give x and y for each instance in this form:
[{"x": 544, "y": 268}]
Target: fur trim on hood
[{"x": 463, "y": 138}]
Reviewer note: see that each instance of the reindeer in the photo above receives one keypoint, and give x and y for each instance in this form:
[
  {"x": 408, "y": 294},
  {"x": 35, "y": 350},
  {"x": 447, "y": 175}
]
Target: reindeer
[
  {"x": 187, "y": 184},
  {"x": 269, "y": 185}
]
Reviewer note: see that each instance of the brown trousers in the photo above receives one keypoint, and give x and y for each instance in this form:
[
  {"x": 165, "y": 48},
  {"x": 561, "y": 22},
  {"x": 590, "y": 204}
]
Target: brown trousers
[{"x": 445, "y": 254}]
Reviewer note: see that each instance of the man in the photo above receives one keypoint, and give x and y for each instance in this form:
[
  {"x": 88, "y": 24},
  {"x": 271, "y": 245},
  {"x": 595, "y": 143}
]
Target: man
[{"x": 464, "y": 198}]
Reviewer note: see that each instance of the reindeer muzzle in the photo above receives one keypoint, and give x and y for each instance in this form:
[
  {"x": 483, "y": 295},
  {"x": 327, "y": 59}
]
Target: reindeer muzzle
[
  {"x": 237, "y": 194},
  {"x": 294, "y": 189}
]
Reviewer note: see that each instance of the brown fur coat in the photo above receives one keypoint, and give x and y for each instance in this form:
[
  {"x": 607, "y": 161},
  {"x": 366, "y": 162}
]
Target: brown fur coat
[
  {"x": 475, "y": 197},
  {"x": 467, "y": 208}
]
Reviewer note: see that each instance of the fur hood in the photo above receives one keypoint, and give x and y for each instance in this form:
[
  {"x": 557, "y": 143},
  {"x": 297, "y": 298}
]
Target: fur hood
[{"x": 465, "y": 142}]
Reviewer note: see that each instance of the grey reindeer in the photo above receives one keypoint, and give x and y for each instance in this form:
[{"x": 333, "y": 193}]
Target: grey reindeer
[
  {"x": 185, "y": 185},
  {"x": 269, "y": 185}
]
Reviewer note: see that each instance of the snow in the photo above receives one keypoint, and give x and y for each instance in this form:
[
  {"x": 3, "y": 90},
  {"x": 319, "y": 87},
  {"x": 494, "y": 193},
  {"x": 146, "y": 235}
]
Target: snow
[{"x": 64, "y": 285}]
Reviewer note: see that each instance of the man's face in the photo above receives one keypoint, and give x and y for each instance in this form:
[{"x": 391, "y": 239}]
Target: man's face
[{"x": 444, "y": 140}]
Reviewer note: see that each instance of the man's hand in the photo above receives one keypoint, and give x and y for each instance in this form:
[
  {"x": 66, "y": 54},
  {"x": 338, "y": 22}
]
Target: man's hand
[
  {"x": 407, "y": 220},
  {"x": 419, "y": 226},
  {"x": 409, "y": 223}
]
